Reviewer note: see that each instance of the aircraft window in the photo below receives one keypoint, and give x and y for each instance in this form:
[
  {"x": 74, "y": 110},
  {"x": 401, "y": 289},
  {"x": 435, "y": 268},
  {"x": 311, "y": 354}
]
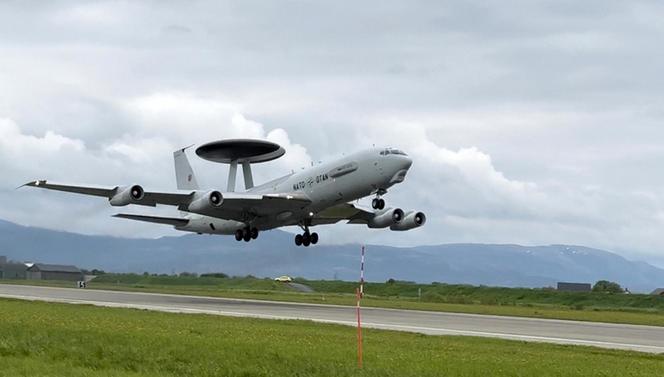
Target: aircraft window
[
  {"x": 386, "y": 152},
  {"x": 397, "y": 151}
]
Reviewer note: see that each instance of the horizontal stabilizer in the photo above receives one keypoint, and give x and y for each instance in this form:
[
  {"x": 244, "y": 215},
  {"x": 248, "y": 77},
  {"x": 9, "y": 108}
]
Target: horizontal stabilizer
[{"x": 175, "y": 221}]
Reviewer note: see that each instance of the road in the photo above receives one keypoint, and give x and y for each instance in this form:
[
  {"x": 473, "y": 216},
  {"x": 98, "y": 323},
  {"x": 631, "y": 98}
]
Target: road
[{"x": 616, "y": 336}]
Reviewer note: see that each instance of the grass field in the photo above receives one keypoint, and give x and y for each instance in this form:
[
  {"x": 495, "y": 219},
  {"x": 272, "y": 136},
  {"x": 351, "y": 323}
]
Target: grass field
[
  {"x": 538, "y": 303},
  {"x": 45, "y": 339}
]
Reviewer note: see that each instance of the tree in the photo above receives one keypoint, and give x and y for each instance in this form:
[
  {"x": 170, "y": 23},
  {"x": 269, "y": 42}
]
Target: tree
[
  {"x": 607, "y": 287},
  {"x": 220, "y": 275}
]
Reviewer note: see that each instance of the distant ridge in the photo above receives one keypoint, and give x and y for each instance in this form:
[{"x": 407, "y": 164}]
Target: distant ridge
[{"x": 275, "y": 254}]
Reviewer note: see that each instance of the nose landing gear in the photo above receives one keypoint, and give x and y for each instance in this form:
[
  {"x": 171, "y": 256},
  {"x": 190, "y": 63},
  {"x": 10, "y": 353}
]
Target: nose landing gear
[{"x": 378, "y": 203}]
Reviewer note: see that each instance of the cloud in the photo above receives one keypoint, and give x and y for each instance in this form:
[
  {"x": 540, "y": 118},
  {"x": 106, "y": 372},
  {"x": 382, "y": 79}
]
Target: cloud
[
  {"x": 197, "y": 120},
  {"x": 536, "y": 126},
  {"x": 13, "y": 141},
  {"x": 143, "y": 156}
]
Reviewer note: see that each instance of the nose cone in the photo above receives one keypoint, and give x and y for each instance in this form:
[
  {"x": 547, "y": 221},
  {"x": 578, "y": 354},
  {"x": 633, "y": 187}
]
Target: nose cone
[
  {"x": 406, "y": 162},
  {"x": 401, "y": 165}
]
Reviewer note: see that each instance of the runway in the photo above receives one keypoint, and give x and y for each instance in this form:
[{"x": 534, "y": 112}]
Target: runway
[{"x": 615, "y": 336}]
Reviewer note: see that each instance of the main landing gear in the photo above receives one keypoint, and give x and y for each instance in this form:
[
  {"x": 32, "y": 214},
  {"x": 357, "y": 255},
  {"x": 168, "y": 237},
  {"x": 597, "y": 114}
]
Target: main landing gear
[
  {"x": 306, "y": 238},
  {"x": 247, "y": 234}
]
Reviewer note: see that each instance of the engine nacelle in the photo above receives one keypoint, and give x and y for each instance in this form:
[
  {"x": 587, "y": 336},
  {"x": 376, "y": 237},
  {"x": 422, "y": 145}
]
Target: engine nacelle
[
  {"x": 209, "y": 200},
  {"x": 412, "y": 220},
  {"x": 127, "y": 195},
  {"x": 389, "y": 217}
]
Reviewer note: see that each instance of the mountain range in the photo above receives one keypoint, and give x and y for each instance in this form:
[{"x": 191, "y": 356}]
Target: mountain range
[{"x": 274, "y": 253}]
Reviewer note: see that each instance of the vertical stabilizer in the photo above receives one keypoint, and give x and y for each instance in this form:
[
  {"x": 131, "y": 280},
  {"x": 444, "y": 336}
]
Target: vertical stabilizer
[{"x": 184, "y": 174}]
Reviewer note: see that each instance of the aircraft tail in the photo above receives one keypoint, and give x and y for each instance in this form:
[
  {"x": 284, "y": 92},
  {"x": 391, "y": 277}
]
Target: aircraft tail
[{"x": 184, "y": 174}]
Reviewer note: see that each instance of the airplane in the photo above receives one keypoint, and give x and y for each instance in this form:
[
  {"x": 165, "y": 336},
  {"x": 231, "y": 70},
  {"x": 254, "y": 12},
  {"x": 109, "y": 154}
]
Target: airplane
[{"x": 321, "y": 194}]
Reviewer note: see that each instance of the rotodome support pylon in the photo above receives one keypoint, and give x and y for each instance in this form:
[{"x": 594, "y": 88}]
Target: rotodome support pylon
[{"x": 240, "y": 151}]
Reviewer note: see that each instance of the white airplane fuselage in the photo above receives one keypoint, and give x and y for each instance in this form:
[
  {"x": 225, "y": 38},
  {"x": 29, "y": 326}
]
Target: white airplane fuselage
[{"x": 352, "y": 177}]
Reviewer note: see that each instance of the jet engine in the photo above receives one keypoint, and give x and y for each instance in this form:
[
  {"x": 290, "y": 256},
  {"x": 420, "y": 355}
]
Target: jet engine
[
  {"x": 211, "y": 199},
  {"x": 389, "y": 217},
  {"x": 127, "y": 195},
  {"x": 411, "y": 220}
]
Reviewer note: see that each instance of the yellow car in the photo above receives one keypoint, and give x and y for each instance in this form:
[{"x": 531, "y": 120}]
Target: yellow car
[{"x": 283, "y": 279}]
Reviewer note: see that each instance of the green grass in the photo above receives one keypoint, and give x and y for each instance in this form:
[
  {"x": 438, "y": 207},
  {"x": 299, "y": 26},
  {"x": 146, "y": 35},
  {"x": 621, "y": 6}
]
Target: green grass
[
  {"x": 45, "y": 339},
  {"x": 538, "y": 303}
]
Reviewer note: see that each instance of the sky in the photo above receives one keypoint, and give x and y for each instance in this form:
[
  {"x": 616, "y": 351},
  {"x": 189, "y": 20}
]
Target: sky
[{"x": 528, "y": 122}]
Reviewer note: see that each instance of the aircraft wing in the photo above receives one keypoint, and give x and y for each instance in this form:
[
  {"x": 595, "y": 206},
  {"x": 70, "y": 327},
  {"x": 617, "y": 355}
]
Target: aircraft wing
[
  {"x": 340, "y": 212},
  {"x": 85, "y": 190},
  {"x": 235, "y": 206},
  {"x": 150, "y": 198}
]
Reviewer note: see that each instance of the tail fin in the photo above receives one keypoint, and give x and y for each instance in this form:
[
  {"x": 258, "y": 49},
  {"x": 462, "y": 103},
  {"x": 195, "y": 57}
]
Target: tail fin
[{"x": 184, "y": 174}]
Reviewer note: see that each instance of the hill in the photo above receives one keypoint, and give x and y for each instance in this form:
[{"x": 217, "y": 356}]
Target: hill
[{"x": 275, "y": 254}]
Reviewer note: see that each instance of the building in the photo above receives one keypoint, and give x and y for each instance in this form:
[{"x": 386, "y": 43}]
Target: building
[
  {"x": 658, "y": 292},
  {"x": 40, "y": 271},
  {"x": 574, "y": 287},
  {"x": 13, "y": 270}
]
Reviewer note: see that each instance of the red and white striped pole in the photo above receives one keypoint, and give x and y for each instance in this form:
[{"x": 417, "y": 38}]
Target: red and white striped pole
[
  {"x": 359, "y": 293},
  {"x": 362, "y": 274}
]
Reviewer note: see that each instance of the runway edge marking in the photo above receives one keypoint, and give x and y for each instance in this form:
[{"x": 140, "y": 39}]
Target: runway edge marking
[
  {"x": 370, "y": 308},
  {"x": 379, "y": 326}
]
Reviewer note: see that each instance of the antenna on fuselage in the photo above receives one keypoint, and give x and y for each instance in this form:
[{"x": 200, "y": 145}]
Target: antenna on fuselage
[{"x": 240, "y": 151}]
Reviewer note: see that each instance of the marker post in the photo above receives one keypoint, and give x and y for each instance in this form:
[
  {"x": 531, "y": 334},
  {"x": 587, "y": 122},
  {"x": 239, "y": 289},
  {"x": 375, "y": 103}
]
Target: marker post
[
  {"x": 359, "y": 330},
  {"x": 359, "y": 292},
  {"x": 362, "y": 274}
]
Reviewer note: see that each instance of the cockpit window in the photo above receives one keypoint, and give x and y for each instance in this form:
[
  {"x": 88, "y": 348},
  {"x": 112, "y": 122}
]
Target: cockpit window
[{"x": 388, "y": 151}]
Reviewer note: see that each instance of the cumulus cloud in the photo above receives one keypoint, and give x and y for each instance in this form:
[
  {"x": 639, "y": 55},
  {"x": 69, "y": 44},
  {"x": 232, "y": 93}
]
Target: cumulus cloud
[
  {"x": 195, "y": 120},
  {"x": 14, "y": 141},
  {"x": 143, "y": 155},
  {"x": 537, "y": 126}
]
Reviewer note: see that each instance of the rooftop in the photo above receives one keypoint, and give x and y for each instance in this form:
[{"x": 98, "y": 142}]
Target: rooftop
[{"x": 55, "y": 268}]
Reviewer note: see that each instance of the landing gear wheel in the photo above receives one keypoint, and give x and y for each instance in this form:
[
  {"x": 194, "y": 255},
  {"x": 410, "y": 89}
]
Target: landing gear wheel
[
  {"x": 246, "y": 234},
  {"x": 298, "y": 240},
  {"x": 239, "y": 235},
  {"x": 306, "y": 239},
  {"x": 254, "y": 233},
  {"x": 314, "y": 238},
  {"x": 378, "y": 203}
]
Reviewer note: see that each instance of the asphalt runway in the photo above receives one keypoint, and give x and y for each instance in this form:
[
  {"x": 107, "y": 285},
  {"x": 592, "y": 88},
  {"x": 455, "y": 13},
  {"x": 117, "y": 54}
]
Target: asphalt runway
[{"x": 616, "y": 336}]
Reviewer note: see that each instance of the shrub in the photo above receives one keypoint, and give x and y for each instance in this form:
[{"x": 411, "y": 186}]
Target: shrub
[
  {"x": 219, "y": 275},
  {"x": 607, "y": 287}
]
